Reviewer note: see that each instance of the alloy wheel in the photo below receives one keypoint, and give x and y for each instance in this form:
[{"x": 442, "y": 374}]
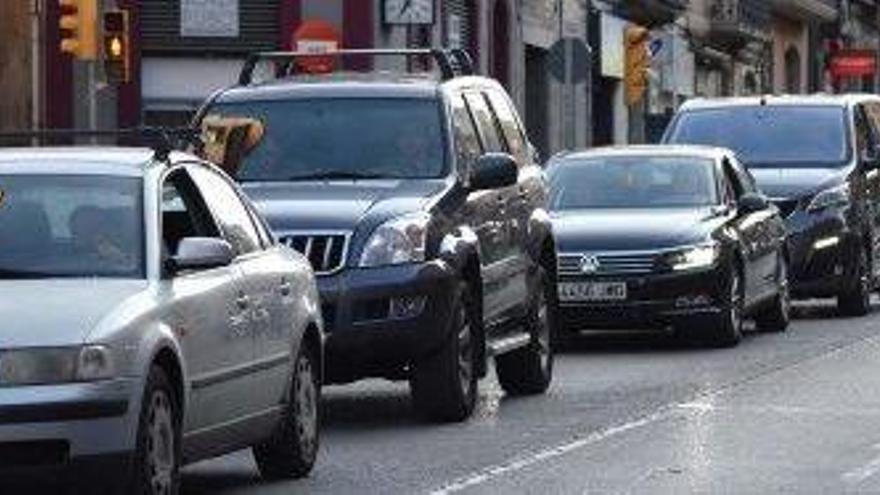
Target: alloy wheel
[
  {"x": 465, "y": 352},
  {"x": 306, "y": 406},
  {"x": 161, "y": 444}
]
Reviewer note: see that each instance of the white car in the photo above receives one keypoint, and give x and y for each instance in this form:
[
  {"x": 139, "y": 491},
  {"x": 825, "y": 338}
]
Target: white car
[{"x": 149, "y": 320}]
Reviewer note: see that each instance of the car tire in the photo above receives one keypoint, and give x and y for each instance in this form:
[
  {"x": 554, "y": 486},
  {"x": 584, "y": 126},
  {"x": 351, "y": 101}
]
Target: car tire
[
  {"x": 157, "y": 457},
  {"x": 529, "y": 370},
  {"x": 777, "y": 317},
  {"x": 856, "y": 301},
  {"x": 726, "y": 328},
  {"x": 444, "y": 385},
  {"x": 291, "y": 451}
]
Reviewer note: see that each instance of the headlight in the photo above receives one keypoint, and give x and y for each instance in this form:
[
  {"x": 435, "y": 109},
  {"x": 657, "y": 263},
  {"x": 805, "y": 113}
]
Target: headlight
[
  {"x": 693, "y": 257},
  {"x": 43, "y": 366},
  {"x": 836, "y": 196},
  {"x": 397, "y": 241}
]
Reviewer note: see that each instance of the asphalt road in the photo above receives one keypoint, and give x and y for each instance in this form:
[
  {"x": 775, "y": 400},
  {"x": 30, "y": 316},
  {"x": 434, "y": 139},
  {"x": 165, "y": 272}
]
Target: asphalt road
[{"x": 794, "y": 412}]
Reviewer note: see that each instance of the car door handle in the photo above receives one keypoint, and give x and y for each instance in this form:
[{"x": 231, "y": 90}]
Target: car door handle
[
  {"x": 243, "y": 301},
  {"x": 284, "y": 288}
]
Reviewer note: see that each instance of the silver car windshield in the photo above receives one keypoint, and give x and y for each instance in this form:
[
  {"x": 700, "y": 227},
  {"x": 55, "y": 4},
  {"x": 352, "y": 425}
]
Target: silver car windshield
[
  {"x": 71, "y": 226},
  {"x": 633, "y": 182}
]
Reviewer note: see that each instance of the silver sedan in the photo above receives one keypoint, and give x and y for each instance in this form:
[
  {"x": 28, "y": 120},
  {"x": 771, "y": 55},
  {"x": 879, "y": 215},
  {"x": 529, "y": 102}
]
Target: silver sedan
[{"x": 149, "y": 320}]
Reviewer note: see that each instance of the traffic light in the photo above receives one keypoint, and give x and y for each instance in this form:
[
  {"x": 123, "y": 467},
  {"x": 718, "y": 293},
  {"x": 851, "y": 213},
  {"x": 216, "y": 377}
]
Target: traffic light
[
  {"x": 637, "y": 62},
  {"x": 117, "y": 47},
  {"x": 78, "y": 24}
]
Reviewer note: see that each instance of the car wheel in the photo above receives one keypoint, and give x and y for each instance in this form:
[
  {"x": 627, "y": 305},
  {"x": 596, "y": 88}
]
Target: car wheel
[
  {"x": 157, "y": 458},
  {"x": 291, "y": 451},
  {"x": 529, "y": 370},
  {"x": 444, "y": 385},
  {"x": 726, "y": 328},
  {"x": 777, "y": 317},
  {"x": 857, "y": 300}
]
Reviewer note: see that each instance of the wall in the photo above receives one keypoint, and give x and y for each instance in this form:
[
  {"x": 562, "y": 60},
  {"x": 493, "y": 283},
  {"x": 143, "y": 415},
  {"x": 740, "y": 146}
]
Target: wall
[
  {"x": 15, "y": 65},
  {"x": 789, "y": 34}
]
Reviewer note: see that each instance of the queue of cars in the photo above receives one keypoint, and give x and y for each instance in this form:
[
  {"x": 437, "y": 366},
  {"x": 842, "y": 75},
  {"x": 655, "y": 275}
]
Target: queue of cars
[{"x": 396, "y": 226}]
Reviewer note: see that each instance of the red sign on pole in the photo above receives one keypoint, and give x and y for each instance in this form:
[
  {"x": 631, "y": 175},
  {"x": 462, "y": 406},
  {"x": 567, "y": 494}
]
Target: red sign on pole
[
  {"x": 316, "y": 36},
  {"x": 853, "y": 63}
]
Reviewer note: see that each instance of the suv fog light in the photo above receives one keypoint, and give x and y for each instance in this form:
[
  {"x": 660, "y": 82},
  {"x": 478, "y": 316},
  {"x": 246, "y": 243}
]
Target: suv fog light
[
  {"x": 406, "y": 307},
  {"x": 692, "y": 301}
]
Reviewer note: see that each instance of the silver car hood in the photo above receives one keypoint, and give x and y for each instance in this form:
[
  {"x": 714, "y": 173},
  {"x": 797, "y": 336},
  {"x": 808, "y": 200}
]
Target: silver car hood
[{"x": 58, "y": 312}]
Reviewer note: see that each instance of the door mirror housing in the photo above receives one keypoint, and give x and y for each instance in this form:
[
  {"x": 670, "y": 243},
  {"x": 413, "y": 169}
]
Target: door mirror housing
[
  {"x": 201, "y": 253},
  {"x": 752, "y": 202},
  {"x": 494, "y": 171},
  {"x": 871, "y": 158}
]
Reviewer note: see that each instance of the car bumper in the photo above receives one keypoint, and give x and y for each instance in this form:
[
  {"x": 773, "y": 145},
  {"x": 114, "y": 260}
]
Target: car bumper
[
  {"x": 66, "y": 428},
  {"x": 821, "y": 248},
  {"x": 654, "y": 302},
  {"x": 379, "y": 320}
]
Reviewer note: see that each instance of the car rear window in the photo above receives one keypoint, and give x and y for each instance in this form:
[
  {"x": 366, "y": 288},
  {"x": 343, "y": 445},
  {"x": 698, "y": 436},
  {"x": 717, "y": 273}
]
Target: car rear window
[
  {"x": 783, "y": 136},
  {"x": 398, "y": 138}
]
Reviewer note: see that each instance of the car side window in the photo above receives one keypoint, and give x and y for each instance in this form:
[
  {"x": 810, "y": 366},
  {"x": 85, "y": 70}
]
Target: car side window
[
  {"x": 467, "y": 143},
  {"x": 486, "y": 125},
  {"x": 864, "y": 137},
  {"x": 184, "y": 213},
  {"x": 745, "y": 178},
  {"x": 732, "y": 179},
  {"x": 234, "y": 218},
  {"x": 510, "y": 127}
]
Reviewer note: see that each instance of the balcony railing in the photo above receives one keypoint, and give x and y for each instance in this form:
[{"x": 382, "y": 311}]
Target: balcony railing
[
  {"x": 651, "y": 12},
  {"x": 737, "y": 22}
]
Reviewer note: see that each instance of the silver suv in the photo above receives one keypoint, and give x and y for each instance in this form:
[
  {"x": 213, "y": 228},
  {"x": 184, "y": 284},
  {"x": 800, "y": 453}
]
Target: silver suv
[{"x": 149, "y": 320}]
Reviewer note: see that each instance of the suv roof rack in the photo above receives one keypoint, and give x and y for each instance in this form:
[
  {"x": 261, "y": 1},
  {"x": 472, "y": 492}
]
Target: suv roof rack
[
  {"x": 453, "y": 62},
  {"x": 162, "y": 140}
]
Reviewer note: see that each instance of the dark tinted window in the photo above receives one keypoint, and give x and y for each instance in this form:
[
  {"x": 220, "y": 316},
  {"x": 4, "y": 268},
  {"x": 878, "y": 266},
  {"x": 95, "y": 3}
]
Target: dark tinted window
[
  {"x": 513, "y": 134},
  {"x": 184, "y": 213},
  {"x": 789, "y": 136},
  {"x": 234, "y": 218},
  {"x": 467, "y": 144},
  {"x": 633, "y": 182},
  {"x": 327, "y": 137},
  {"x": 71, "y": 226},
  {"x": 489, "y": 134}
]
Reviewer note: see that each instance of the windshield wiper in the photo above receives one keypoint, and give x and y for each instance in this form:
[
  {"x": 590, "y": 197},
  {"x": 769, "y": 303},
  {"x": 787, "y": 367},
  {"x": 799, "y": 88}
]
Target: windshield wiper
[
  {"x": 11, "y": 274},
  {"x": 337, "y": 174}
]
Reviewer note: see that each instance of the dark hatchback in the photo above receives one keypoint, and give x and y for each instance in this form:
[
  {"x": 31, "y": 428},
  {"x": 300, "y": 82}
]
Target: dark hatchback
[
  {"x": 817, "y": 157},
  {"x": 666, "y": 237}
]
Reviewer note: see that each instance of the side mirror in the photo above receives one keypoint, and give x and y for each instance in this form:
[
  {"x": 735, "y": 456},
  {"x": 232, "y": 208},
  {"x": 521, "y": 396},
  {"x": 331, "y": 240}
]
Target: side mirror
[
  {"x": 750, "y": 203},
  {"x": 871, "y": 158},
  {"x": 494, "y": 171},
  {"x": 200, "y": 253}
]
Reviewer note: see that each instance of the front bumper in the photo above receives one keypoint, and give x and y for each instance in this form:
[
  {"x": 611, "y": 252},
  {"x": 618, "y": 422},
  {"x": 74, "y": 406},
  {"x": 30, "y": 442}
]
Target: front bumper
[
  {"x": 364, "y": 337},
  {"x": 66, "y": 428},
  {"x": 821, "y": 247},
  {"x": 654, "y": 301}
]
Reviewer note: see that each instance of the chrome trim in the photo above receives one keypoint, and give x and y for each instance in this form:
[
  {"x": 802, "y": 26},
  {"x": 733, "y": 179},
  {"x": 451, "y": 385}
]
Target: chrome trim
[{"x": 286, "y": 237}]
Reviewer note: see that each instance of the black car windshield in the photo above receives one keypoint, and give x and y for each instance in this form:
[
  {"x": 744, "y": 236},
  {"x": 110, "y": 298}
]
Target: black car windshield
[
  {"x": 633, "y": 182},
  {"x": 71, "y": 226},
  {"x": 770, "y": 136},
  {"x": 341, "y": 138}
]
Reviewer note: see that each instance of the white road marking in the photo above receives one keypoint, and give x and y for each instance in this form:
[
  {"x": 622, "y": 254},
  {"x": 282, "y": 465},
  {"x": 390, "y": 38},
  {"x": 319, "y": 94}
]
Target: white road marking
[
  {"x": 856, "y": 476},
  {"x": 521, "y": 463}
]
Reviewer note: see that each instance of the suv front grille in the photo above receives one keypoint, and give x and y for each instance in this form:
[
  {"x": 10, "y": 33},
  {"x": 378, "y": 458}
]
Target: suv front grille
[
  {"x": 325, "y": 251},
  {"x": 622, "y": 263}
]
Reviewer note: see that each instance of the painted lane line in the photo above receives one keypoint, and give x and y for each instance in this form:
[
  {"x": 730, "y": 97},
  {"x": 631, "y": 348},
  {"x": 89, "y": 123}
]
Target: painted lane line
[
  {"x": 856, "y": 476},
  {"x": 524, "y": 462}
]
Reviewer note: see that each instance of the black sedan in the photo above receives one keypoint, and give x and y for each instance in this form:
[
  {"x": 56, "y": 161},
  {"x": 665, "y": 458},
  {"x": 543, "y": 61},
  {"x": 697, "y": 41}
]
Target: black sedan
[{"x": 666, "y": 238}]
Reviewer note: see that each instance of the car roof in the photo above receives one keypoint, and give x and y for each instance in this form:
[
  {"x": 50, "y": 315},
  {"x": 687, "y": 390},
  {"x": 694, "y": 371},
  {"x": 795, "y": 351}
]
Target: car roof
[
  {"x": 87, "y": 160},
  {"x": 694, "y": 151},
  {"x": 376, "y": 84},
  {"x": 819, "y": 99}
]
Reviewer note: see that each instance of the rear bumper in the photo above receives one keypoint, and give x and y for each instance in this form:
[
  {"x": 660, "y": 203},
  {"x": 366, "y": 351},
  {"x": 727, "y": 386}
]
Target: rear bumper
[
  {"x": 365, "y": 337},
  {"x": 655, "y": 302}
]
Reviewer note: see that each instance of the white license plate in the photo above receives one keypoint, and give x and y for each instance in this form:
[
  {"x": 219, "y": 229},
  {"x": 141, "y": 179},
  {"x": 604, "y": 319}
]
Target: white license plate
[{"x": 592, "y": 291}]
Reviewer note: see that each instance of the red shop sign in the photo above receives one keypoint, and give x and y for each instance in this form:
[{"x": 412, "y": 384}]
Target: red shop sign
[{"x": 853, "y": 63}]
